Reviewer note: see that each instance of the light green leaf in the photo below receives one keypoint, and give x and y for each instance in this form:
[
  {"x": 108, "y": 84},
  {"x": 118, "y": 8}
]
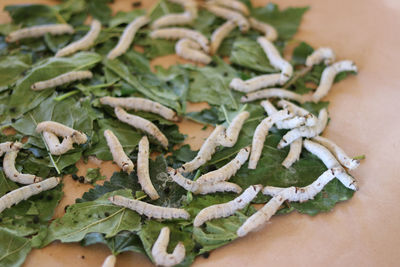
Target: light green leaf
[{"x": 13, "y": 249}]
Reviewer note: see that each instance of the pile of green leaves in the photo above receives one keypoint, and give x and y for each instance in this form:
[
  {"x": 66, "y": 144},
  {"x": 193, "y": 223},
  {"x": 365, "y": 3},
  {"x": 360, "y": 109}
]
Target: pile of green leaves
[{"x": 92, "y": 219}]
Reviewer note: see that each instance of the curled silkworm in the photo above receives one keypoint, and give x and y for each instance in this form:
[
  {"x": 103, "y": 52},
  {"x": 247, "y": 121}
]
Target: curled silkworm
[
  {"x": 84, "y": 43},
  {"x": 272, "y": 93},
  {"x": 206, "y": 151},
  {"x": 261, "y": 133},
  {"x": 38, "y": 31},
  {"x": 9, "y": 146},
  {"x": 159, "y": 250},
  {"x": 61, "y": 130},
  {"x": 289, "y": 123},
  {"x": 294, "y": 153},
  {"x": 142, "y": 104},
  {"x": 188, "y": 5},
  {"x": 141, "y": 124},
  {"x": 231, "y": 135},
  {"x": 191, "y": 50},
  {"x": 232, "y": 4},
  {"x": 305, "y": 131},
  {"x": 62, "y": 79},
  {"x": 109, "y": 261},
  {"x": 127, "y": 37},
  {"x": 228, "y": 170},
  {"x": 328, "y": 76},
  {"x": 11, "y": 172},
  {"x": 310, "y": 119},
  {"x": 173, "y": 20},
  {"x": 269, "y": 31},
  {"x": 228, "y": 14},
  {"x": 25, "y": 192},
  {"x": 149, "y": 210},
  {"x": 175, "y": 33},
  {"x": 322, "y": 54},
  {"x": 275, "y": 58},
  {"x": 330, "y": 162},
  {"x": 220, "y": 34},
  {"x": 55, "y": 147},
  {"x": 227, "y": 209},
  {"x": 143, "y": 169},
  {"x": 118, "y": 154},
  {"x": 255, "y": 83},
  {"x": 308, "y": 192},
  {"x": 338, "y": 152}
]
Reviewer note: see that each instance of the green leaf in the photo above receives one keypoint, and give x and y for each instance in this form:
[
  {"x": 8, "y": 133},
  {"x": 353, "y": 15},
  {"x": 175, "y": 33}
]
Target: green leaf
[
  {"x": 6, "y": 185},
  {"x": 30, "y": 15},
  {"x": 125, "y": 17},
  {"x": 12, "y": 67},
  {"x": 93, "y": 175},
  {"x": 206, "y": 116},
  {"x": 99, "y": 10},
  {"x": 13, "y": 249},
  {"x": 300, "y": 53}
]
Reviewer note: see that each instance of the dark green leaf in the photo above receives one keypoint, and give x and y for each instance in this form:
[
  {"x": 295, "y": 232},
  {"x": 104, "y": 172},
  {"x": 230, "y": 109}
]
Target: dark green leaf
[{"x": 13, "y": 249}]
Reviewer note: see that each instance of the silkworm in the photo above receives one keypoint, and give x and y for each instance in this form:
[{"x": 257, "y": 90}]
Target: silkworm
[
  {"x": 188, "y": 5},
  {"x": 109, "y": 261},
  {"x": 127, "y": 37},
  {"x": 220, "y": 34},
  {"x": 9, "y": 146},
  {"x": 141, "y": 124},
  {"x": 55, "y": 147},
  {"x": 322, "y": 54},
  {"x": 261, "y": 133},
  {"x": 310, "y": 119},
  {"x": 330, "y": 162},
  {"x": 159, "y": 250},
  {"x": 289, "y": 123},
  {"x": 269, "y": 31},
  {"x": 228, "y": 170},
  {"x": 328, "y": 76},
  {"x": 190, "y": 50},
  {"x": 65, "y": 78},
  {"x": 338, "y": 152},
  {"x": 302, "y": 194},
  {"x": 38, "y": 31},
  {"x": 294, "y": 153},
  {"x": 25, "y": 192},
  {"x": 173, "y": 20},
  {"x": 143, "y": 169},
  {"x": 142, "y": 104},
  {"x": 272, "y": 93},
  {"x": 175, "y": 33},
  {"x": 206, "y": 151},
  {"x": 227, "y": 209},
  {"x": 228, "y": 14},
  {"x": 61, "y": 130},
  {"x": 11, "y": 172},
  {"x": 305, "y": 131},
  {"x": 275, "y": 58},
  {"x": 149, "y": 210},
  {"x": 118, "y": 154},
  {"x": 229, "y": 138},
  {"x": 255, "y": 83},
  {"x": 84, "y": 43},
  {"x": 232, "y": 4}
]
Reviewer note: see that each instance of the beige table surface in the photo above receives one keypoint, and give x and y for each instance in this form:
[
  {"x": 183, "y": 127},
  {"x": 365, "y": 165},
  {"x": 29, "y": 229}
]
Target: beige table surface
[{"x": 364, "y": 109}]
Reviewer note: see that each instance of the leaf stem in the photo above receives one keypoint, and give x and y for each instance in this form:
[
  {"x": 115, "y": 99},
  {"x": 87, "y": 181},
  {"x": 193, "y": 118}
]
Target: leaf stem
[
  {"x": 225, "y": 114},
  {"x": 64, "y": 96},
  {"x": 359, "y": 157},
  {"x": 197, "y": 175}
]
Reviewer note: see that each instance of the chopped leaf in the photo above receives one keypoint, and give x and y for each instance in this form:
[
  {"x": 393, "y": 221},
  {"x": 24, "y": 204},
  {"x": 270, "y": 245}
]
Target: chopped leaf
[{"x": 93, "y": 175}]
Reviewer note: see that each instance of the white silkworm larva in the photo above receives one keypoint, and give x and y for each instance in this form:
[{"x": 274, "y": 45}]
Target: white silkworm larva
[
  {"x": 228, "y": 14},
  {"x": 149, "y": 210},
  {"x": 305, "y": 131},
  {"x": 229, "y": 138},
  {"x": 269, "y": 31},
  {"x": 62, "y": 79},
  {"x": 330, "y": 162},
  {"x": 228, "y": 170},
  {"x": 328, "y": 76},
  {"x": 255, "y": 83},
  {"x": 143, "y": 169},
  {"x": 159, "y": 250},
  {"x": 227, "y": 209},
  {"x": 11, "y": 172},
  {"x": 261, "y": 133},
  {"x": 142, "y": 104},
  {"x": 190, "y": 50},
  {"x": 289, "y": 123},
  {"x": 109, "y": 261},
  {"x": 141, "y": 124},
  {"x": 118, "y": 154},
  {"x": 272, "y": 93},
  {"x": 175, "y": 33},
  {"x": 220, "y": 34},
  {"x": 38, "y": 31},
  {"x": 206, "y": 150},
  {"x": 25, "y": 192},
  {"x": 338, "y": 152},
  {"x": 232, "y": 4},
  {"x": 61, "y": 130},
  {"x": 9, "y": 146},
  {"x": 322, "y": 54},
  {"x": 84, "y": 43},
  {"x": 294, "y": 153},
  {"x": 55, "y": 147},
  {"x": 275, "y": 58},
  {"x": 310, "y": 119},
  {"x": 308, "y": 192},
  {"x": 180, "y": 19},
  {"x": 189, "y": 6},
  {"x": 127, "y": 37}
]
